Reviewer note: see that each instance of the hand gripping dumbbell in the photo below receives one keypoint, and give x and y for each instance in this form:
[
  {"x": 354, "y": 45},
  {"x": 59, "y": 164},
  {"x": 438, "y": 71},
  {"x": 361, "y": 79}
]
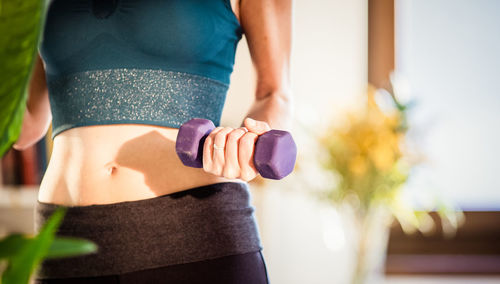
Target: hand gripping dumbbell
[{"x": 274, "y": 155}]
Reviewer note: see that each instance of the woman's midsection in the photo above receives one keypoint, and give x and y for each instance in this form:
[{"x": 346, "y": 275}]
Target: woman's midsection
[{"x": 104, "y": 164}]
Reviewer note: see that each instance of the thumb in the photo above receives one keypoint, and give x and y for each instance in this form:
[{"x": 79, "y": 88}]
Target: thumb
[{"x": 256, "y": 126}]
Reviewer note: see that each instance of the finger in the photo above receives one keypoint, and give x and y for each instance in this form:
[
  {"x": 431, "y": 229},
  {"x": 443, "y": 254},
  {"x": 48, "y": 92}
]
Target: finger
[
  {"x": 245, "y": 156},
  {"x": 232, "y": 167},
  {"x": 256, "y": 126},
  {"x": 218, "y": 159},
  {"x": 208, "y": 149}
]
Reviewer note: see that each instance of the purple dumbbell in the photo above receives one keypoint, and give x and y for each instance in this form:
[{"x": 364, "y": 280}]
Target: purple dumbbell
[{"x": 275, "y": 150}]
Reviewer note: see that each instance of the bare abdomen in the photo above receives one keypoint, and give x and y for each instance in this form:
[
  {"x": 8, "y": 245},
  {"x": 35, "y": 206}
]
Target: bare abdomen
[{"x": 104, "y": 164}]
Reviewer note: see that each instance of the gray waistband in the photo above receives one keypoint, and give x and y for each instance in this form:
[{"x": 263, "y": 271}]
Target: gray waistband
[{"x": 197, "y": 224}]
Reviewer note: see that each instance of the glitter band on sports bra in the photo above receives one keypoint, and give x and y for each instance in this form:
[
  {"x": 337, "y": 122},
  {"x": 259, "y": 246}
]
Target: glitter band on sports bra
[{"x": 129, "y": 95}]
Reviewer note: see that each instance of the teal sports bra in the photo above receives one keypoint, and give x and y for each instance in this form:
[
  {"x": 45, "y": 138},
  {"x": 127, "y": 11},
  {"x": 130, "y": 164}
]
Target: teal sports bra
[{"x": 158, "y": 62}]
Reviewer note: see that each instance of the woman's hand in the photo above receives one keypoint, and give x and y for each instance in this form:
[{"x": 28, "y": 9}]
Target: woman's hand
[{"x": 232, "y": 157}]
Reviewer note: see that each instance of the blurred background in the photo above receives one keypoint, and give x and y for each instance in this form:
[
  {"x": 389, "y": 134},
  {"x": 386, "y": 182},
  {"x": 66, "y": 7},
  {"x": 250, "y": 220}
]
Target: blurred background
[{"x": 397, "y": 118}]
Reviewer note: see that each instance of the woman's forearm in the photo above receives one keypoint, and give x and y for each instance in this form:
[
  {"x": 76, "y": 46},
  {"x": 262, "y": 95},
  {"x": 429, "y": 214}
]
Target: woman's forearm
[
  {"x": 275, "y": 108},
  {"x": 37, "y": 116},
  {"x": 29, "y": 135}
]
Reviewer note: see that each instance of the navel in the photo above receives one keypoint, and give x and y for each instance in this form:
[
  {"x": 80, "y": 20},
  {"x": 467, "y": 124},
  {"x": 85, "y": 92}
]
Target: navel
[{"x": 111, "y": 168}]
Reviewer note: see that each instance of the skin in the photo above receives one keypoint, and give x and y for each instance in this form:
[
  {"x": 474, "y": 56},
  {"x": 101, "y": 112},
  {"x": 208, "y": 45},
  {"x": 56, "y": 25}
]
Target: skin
[{"x": 102, "y": 164}]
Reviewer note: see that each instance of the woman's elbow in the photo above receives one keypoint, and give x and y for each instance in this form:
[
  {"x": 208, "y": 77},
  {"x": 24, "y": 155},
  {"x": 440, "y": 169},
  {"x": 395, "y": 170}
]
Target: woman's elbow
[{"x": 33, "y": 129}]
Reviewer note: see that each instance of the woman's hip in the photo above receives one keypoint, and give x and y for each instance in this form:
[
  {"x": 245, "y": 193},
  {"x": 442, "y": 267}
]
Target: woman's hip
[{"x": 192, "y": 226}]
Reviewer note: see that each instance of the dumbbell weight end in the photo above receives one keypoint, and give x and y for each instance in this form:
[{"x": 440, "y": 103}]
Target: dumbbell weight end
[{"x": 190, "y": 140}]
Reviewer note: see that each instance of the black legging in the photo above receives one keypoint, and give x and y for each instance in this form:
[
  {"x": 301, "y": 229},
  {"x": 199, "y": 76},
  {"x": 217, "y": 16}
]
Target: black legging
[{"x": 248, "y": 268}]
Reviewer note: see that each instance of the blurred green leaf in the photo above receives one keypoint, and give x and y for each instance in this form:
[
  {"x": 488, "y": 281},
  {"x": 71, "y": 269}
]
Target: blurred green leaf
[
  {"x": 21, "y": 22},
  {"x": 66, "y": 247},
  {"x": 23, "y": 263},
  {"x": 24, "y": 254},
  {"x": 12, "y": 244}
]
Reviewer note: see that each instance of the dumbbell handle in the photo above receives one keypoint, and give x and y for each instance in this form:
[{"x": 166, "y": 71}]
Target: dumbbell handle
[{"x": 274, "y": 156}]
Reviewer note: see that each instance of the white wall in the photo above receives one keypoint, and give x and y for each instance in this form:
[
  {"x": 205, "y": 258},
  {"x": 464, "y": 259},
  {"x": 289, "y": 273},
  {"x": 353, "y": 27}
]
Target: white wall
[
  {"x": 329, "y": 63},
  {"x": 449, "y": 51}
]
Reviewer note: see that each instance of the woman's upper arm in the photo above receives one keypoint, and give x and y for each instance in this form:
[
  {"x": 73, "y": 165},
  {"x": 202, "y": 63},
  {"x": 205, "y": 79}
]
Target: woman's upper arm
[
  {"x": 37, "y": 116},
  {"x": 38, "y": 100},
  {"x": 267, "y": 25}
]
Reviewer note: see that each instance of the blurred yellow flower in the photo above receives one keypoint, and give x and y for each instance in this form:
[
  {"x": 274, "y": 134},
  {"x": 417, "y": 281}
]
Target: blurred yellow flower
[
  {"x": 357, "y": 165},
  {"x": 365, "y": 151}
]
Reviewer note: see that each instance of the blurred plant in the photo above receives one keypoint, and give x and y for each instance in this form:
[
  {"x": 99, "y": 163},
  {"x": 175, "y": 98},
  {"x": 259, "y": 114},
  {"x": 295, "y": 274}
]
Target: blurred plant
[
  {"x": 21, "y": 23},
  {"x": 368, "y": 155},
  {"x": 369, "y": 161},
  {"x": 23, "y": 254}
]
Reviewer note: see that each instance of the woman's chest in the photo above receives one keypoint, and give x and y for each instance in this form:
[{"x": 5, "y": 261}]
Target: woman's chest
[{"x": 175, "y": 29}]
